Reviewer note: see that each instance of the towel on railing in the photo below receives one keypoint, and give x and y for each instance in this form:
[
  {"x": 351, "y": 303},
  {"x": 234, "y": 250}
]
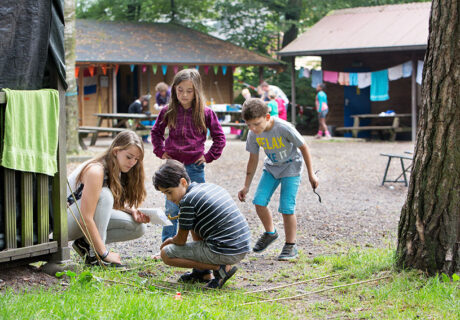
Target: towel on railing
[{"x": 31, "y": 131}]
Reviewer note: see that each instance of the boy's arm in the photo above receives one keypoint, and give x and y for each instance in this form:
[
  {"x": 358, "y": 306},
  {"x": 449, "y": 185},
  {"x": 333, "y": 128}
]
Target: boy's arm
[
  {"x": 307, "y": 158},
  {"x": 250, "y": 171},
  {"x": 179, "y": 239}
]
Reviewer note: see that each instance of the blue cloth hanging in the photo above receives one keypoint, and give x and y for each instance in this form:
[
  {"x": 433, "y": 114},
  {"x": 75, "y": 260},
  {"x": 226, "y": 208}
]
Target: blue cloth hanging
[
  {"x": 316, "y": 77},
  {"x": 379, "y": 85},
  {"x": 353, "y": 79},
  {"x": 407, "y": 69}
]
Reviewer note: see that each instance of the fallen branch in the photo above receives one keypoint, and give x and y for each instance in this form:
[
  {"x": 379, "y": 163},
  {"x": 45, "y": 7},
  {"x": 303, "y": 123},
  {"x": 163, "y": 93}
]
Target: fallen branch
[
  {"x": 317, "y": 291},
  {"x": 291, "y": 284}
]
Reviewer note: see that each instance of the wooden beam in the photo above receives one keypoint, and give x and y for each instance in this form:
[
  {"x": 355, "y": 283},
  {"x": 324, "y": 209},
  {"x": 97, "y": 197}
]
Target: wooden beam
[
  {"x": 27, "y": 211},
  {"x": 43, "y": 208},
  {"x": 293, "y": 104},
  {"x": 9, "y": 182}
]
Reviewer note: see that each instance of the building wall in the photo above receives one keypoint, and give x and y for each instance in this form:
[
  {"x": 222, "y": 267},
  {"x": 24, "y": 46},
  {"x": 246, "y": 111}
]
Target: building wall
[{"x": 399, "y": 90}]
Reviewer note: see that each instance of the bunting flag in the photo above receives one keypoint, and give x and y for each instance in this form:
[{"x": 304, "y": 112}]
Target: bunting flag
[
  {"x": 104, "y": 69},
  {"x": 206, "y": 69},
  {"x": 144, "y": 68},
  {"x": 175, "y": 68},
  {"x": 164, "y": 68},
  {"x": 116, "y": 68},
  {"x": 77, "y": 70},
  {"x": 224, "y": 70},
  {"x": 197, "y": 67},
  {"x": 132, "y": 67},
  {"x": 216, "y": 69},
  {"x": 91, "y": 71},
  {"x": 185, "y": 67},
  {"x": 154, "y": 68}
]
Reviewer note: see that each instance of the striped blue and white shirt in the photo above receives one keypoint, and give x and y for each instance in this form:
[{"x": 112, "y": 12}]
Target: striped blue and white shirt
[{"x": 210, "y": 211}]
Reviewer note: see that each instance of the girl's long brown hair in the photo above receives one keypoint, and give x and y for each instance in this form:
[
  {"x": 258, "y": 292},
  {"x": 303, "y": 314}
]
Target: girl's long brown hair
[
  {"x": 127, "y": 188},
  {"x": 198, "y": 102}
]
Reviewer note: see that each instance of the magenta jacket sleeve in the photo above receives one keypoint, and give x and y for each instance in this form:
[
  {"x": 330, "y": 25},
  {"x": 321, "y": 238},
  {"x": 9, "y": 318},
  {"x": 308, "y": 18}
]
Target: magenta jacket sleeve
[
  {"x": 217, "y": 135},
  {"x": 158, "y": 134}
]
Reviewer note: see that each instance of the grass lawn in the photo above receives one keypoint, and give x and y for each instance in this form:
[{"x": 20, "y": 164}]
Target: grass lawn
[{"x": 145, "y": 293}]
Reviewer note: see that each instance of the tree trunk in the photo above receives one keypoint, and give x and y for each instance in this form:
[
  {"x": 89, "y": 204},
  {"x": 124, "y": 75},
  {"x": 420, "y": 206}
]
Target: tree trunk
[
  {"x": 71, "y": 101},
  {"x": 429, "y": 228}
]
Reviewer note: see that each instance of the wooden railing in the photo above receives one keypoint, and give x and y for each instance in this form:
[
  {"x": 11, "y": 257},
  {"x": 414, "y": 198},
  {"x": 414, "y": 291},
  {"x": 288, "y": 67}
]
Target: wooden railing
[{"x": 44, "y": 248}]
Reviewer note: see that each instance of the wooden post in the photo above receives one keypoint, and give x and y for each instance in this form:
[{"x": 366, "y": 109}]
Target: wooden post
[
  {"x": 114, "y": 91},
  {"x": 293, "y": 104},
  {"x": 81, "y": 96},
  {"x": 414, "y": 98},
  {"x": 261, "y": 75}
]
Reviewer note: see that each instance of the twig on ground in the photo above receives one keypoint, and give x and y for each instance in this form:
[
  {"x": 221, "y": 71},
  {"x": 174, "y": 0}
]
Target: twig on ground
[
  {"x": 291, "y": 284},
  {"x": 317, "y": 291}
]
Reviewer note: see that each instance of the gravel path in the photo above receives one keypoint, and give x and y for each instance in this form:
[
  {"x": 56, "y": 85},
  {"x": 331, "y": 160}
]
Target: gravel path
[{"x": 355, "y": 210}]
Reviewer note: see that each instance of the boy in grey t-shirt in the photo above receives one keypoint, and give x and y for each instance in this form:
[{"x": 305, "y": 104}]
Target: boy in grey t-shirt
[{"x": 284, "y": 148}]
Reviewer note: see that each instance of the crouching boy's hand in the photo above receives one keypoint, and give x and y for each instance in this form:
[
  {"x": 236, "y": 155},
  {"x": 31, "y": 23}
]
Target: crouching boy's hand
[{"x": 167, "y": 241}]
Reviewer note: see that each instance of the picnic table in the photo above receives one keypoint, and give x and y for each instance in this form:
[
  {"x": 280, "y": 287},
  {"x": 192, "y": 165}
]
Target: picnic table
[
  {"x": 132, "y": 121},
  {"x": 392, "y": 129},
  {"x": 235, "y": 120}
]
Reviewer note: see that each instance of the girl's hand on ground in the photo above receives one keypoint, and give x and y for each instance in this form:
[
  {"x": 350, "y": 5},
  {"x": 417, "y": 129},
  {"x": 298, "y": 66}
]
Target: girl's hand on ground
[
  {"x": 165, "y": 156},
  {"x": 201, "y": 160},
  {"x": 314, "y": 181},
  {"x": 139, "y": 217},
  {"x": 167, "y": 241},
  {"x": 242, "y": 194},
  {"x": 113, "y": 257}
]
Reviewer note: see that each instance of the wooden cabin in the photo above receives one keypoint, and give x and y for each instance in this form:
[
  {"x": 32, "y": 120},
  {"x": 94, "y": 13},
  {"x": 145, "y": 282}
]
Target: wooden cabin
[
  {"x": 368, "y": 39},
  {"x": 116, "y": 62}
]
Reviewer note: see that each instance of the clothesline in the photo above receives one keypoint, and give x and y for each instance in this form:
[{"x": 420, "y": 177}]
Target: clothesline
[{"x": 377, "y": 80}]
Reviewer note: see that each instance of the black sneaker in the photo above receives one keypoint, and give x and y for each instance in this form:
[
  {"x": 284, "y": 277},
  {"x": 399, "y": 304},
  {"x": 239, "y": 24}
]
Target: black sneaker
[
  {"x": 264, "y": 241},
  {"x": 220, "y": 277},
  {"x": 194, "y": 276},
  {"x": 289, "y": 252},
  {"x": 83, "y": 250}
]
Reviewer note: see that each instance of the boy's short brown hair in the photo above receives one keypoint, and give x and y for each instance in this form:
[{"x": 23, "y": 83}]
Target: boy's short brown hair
[{"x": 254, "y": 108}]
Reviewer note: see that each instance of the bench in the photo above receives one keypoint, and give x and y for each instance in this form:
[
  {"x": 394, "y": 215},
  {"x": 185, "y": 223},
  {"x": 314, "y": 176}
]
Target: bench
[
  {"x": 238, "y": 125},
  {"x": 82, "y": 133},
  {"x": 404, "y": 169},
  {"x": 95, "y": 131}
]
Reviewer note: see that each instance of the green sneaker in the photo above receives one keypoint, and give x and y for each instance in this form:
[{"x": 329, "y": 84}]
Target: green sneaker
[
  {"x": 264, "y": 241},
  {"x": 289, "y": 252}
]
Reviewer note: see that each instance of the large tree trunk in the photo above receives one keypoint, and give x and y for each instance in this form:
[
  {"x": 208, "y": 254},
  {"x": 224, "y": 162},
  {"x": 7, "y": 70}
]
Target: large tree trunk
[
  {"x": 71, "y": 101},
  {"x": 429, "y": 228}
]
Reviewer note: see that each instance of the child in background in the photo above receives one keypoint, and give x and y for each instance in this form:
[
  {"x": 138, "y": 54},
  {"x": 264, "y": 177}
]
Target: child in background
[
  {"x": 162, "y": 96},
  {"x": 272, "y": 104},
  {"x": 282, "y": 113},
  {"x": 246, "y": 93},
  {"x": 323, "y": 109},
  {"x": 220, "y": 232},
  {"x": 188, "y": 120},
  {"x": 285, "y": 148}
]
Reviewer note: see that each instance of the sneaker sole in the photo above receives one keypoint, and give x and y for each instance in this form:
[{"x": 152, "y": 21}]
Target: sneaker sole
[{"x": 288, "y": 258}]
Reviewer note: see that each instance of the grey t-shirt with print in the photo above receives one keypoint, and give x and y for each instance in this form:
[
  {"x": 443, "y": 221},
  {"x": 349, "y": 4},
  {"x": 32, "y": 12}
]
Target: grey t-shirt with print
[{"x": 281, "y": 145}]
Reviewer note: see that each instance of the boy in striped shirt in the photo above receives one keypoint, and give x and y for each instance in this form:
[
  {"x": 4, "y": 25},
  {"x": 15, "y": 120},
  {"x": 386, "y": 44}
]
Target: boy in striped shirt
[{"x": 220, "y": 232}]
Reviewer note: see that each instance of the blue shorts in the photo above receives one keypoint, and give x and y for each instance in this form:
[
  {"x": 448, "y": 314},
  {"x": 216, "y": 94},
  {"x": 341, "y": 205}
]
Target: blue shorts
[
  {"x": 323, "y": 114},
  {"x": 268, "y": 184}
]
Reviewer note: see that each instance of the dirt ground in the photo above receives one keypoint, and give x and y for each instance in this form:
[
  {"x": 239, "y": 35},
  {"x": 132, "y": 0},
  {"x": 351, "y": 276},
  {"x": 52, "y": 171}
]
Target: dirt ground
[{"x": 355, "y": 209}]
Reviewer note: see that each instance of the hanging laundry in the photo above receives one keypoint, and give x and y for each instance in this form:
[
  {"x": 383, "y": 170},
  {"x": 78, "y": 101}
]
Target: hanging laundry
[
  {"x": 418, "y": 79},
  {"x": 395, "y": 73},
  {"x": 301, "y": 73},
  {"x": 407, "y": 69},
  {"x": 379, "y": 85},
  {"x": 364, "y": 79},
  {"x": 316, "y": 78},
  {"x": 330, "y": 76},
  {"x": 306, "y": 73},
  {"x": 353, "y": 79},
  {"x": 344, "y": 78}
]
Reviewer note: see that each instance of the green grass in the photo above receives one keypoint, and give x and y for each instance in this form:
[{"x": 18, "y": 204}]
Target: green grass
[{"x": 404, "y": 295}]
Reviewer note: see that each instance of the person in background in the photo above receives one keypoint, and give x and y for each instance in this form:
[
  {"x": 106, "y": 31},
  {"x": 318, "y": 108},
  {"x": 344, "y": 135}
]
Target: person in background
[
  {"x": 272, "y": 104},
  {"x": 107, "y": 190},
  {"x": 246, "y": 93},
  {"x": 266, "y": 88},
  {"x": 323, "y": 109},
  {"x": 162, "y": 96},
  {"x": 285, "y": 149},
  {"x": 282, "y": 113},
  {"x": 188, "y": 121},
  {"x": 140, "y": 105},
  {"x": 219, "y": 231}
]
